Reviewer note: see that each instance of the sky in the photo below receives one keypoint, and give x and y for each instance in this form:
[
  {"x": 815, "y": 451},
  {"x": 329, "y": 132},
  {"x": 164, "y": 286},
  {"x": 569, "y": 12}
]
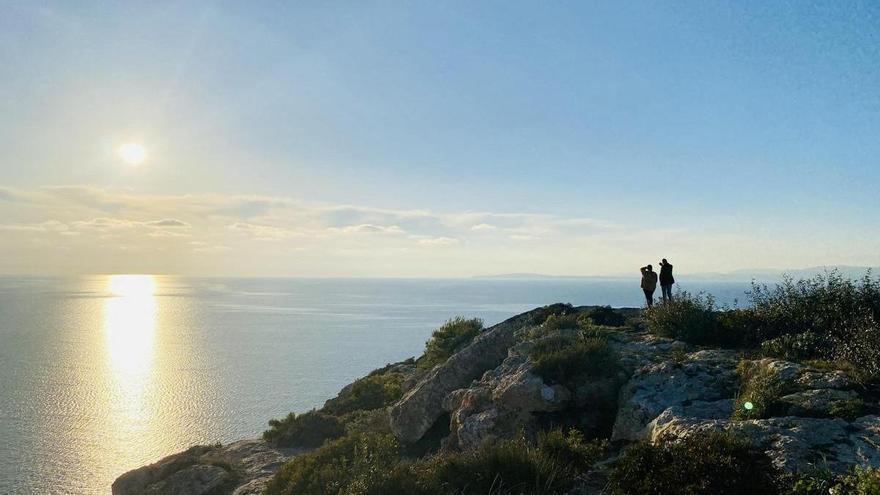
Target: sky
[{"x": 434, "y": 139}]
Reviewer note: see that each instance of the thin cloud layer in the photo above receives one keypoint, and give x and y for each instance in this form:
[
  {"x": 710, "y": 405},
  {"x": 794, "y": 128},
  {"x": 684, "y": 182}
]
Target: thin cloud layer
[{"x": 82, "y": 229}]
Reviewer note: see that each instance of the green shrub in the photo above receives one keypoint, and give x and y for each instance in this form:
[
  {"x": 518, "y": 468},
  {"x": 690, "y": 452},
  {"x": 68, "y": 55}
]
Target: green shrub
[
  {"x": 760, "y": 388},
  {"x": 512, "y": 466},
  {"x": 815, "y": 483},
  {"x": 343, "y": 466},
  {"x": 561, "y": 322},
  {"x": 847, "y": 409},
  {"x": 841, "y": 312},
  {"x": 371, "y": 464},
  {"x": 796, "y": 347},
  {"x": 687, "y": 317},
  {"x": 715, "y": 463},
  {"x": 860, "y": 481},
  {"x": 605, "y": 316},
  {"x": 451, "y": 337},
  {"x": 378, "y": 389},
  {"x": 570, "y": 449},
  {"x": 305, "y": 430},
  {"x": 562, "y": 360}
]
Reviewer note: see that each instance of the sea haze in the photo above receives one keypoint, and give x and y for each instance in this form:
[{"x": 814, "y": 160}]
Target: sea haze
[{"x": 104, "y": 374}]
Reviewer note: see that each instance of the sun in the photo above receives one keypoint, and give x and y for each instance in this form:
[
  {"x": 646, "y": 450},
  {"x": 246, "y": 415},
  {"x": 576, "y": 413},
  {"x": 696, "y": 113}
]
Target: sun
[{"x": 132, "y": 153}]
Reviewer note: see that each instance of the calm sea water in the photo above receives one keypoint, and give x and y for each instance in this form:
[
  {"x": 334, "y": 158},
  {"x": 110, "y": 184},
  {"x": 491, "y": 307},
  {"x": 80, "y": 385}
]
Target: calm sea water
[{"x": 99, "y": 375}]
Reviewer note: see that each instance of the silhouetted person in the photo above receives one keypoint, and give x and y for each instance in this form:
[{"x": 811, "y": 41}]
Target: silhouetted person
[
  {"x": 666, "y": 280},
  {"x": 649, "y": 283}
]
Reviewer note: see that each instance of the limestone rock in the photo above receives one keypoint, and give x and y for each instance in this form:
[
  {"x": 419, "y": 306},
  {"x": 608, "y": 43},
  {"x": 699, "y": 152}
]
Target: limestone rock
[
  {"x": 702, "y": 377},
  {"x": 420, "y": 407},
  {"x": 817, "y": 403},
  {"x": 240, "y": 468},
  {"x": 794, "y": 444}
]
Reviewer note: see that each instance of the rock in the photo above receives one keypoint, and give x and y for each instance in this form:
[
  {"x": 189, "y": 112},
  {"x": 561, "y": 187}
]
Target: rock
[
  {"x": 240, "y": 468},
  {"x": 420, "y": 407},
  {"x": 702, "y": 377},
  {"x": 817, "y": 379},
  {"x": 817, "y": 403},
  {"x": 501, "y": 403},
  {"x": 794, "y": 444}
]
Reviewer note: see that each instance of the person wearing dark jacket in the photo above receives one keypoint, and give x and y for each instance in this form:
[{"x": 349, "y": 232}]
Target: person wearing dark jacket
[
  {"x": 666, "y": 280},
  {"x": 649, "y": 283}
]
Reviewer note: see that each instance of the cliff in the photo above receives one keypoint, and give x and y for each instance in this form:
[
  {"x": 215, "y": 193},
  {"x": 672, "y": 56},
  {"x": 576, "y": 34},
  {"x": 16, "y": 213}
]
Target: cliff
[{"x": 596, "y": 371}]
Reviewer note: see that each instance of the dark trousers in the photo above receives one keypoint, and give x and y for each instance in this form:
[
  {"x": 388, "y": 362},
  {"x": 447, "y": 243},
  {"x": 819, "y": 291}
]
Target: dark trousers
[
  {"x": 667, "y": 292},
  {"x": 649, "y": 297}
]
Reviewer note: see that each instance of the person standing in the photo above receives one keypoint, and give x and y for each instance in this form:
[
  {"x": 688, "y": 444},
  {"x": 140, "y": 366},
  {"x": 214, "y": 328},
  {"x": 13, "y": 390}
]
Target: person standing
[
  {"x": 649, "y": 283},
  {"x": 666, "y": 280}
]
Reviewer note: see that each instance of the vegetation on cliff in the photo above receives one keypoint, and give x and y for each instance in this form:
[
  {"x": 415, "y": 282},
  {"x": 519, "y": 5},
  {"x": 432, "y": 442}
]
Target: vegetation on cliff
[{"x": 534, "y": 405}]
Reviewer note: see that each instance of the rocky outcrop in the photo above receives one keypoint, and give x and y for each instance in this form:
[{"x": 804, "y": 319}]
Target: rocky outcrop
[
  {"x": 658, "y": 390},
  {"x": 701, "y": 384},
  {"x": 420, "y": 407},
  {"x": 672, "y": 400},
  {"x": 239, "y": 468},
  {"x": 502, "y": 402},
  {"x": 794, "y": 444}
]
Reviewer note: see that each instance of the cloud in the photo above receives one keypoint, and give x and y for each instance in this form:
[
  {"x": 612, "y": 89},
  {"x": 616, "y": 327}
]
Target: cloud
[
  {"x": 168, "y": 222},
  {"x": 262, "y": 232},
  {"x": 367, "y": 228},
  {"x": 437, "y": 241},
  {"x": 47, "y": 226},
  {"x": 483, "y": 227}
]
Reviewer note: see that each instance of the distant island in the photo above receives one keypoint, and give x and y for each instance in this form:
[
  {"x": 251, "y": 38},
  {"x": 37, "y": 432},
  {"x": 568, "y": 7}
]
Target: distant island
[{"x": 781, "y": 398}]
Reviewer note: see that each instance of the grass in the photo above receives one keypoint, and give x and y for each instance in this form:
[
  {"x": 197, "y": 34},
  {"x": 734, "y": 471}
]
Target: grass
[{"x": 759, "y": 388}]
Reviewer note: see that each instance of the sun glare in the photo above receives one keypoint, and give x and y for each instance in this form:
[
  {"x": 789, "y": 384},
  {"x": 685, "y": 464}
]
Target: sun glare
[
  {"x": 129, "y": 321},
  {"x": 132, "y": 153}
]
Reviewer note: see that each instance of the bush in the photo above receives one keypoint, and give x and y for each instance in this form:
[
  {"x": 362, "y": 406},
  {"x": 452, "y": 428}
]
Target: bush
[
  {"x": 451, "y": 337},
  {"x": 687, "y": 317},
  {"x": 840, "y": 312},
  {"x": 715, "y": 463},
  {"x": 343, "y": 466},
  {"x": 378, "y": 389},
  {"x": 306, "y": 430},
  {"x": 605, "y": 316},
  {"x": 570, "y": 449},
  {"x": 796, "y": 347},
  {"x": 859, "y": 481},
  {"x": 562, "y": 360},
  {"x": 759, "y": 387},
  {"x": 505, "y": 467},
  {"x": 368, "y": 464}
]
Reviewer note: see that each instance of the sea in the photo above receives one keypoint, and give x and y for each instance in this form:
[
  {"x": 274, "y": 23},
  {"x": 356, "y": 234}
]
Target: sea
[{"x": 102, "y": 374}]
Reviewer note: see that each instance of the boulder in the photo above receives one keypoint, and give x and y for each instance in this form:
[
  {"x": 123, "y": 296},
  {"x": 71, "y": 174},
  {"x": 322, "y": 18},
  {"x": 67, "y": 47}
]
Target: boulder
[
  {"x": 819, "y": 402},
  {"x": 794, "y": 444},
  {"x": 420, "y": 407},
  {"x": 239, "y": 468},
  {"x": 695, "y": 384},
  {"x": 501, "y": 403}
]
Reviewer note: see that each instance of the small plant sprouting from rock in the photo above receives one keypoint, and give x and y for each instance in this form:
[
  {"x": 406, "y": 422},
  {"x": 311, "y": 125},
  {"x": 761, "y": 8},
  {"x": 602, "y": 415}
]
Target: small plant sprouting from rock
[{"x": 760, "y": 390}]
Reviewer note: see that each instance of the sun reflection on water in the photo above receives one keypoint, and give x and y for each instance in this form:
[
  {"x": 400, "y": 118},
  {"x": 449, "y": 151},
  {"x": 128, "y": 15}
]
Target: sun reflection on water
[{"x": 129, "y": 333}]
